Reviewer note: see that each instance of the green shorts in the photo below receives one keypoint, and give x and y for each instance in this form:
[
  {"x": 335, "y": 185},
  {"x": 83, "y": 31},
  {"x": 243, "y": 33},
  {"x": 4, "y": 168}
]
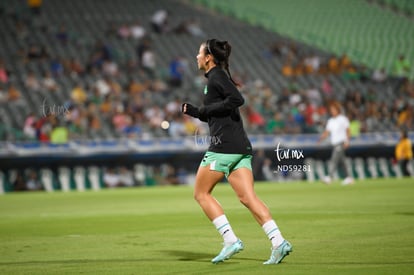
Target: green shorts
[{"x": 226, "y": 163}]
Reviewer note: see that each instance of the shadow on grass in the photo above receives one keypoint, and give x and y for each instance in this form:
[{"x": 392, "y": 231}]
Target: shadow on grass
[
  {"x": 188, "y": 256},
  {"x": 200, "y": 257}
]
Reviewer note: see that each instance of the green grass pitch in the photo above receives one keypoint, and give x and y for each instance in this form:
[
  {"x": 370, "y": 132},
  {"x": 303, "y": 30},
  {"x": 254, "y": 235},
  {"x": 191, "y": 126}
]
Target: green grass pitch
[{"x": 366, "y": 228}]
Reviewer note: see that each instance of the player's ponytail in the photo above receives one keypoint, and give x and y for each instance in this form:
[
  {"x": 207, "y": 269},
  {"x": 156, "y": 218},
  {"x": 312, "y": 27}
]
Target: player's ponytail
[{"x": 220, "y": 50}]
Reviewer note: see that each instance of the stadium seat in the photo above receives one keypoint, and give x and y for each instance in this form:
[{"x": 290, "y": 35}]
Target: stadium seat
[
  {"x": 64, "y": 178},
  {"x": 372, "y": 167},
  {"x": 320, "y": 169},
  {"x": 397, "y": 170},
  {"x": 46, "y": 176},
  {"x": 384, "y": 168},
  {"x": 2, "y": 182},
  {"x": 94, "y": 177},
  {"x": 359, "y": 167},
  {"x": 79, "y": 176},
  {"x": 310, "y": 173}
]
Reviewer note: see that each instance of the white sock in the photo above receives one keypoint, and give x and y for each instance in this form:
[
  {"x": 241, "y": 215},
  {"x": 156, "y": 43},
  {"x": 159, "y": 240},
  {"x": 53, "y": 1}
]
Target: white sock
[
  {"x": 273, "y": 233},
  {"x": 223, "y": 227}
]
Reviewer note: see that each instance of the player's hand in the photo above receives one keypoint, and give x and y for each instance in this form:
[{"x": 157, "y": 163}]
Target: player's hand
[
  {"x": 346, "y": 144},
  {"x": 190, "y": 110}
]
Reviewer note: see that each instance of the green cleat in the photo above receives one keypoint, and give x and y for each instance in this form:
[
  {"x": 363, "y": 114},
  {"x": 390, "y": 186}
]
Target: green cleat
[
  {"x": 279, "y": 253},
  {"x": 228, "y": 251}
]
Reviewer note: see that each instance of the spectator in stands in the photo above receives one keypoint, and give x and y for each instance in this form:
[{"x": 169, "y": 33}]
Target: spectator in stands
[
  {"x": 334, "y": 65},
  {"x": 33, "y": 182},
  {"x": 313, "y": 95},
  {"x": 133, "y": 128},
  {"x": 121, "y": 120},
  {"x": 115, "y": 86},
  {"x": 288, "y": 70},
  {"x": 56, "y": 67},
  {"x": 62, "y": 34},
  {"x": 177, "y": 67},
  {"x": 337, "y": 128},
  {"x": 49, "y": 83},
  {"x": 137, "y": 30},
  {"x": 344, "y": 62},
  {"x": 59, "y": 134},
  {"x": 254, "y": 118},
  {"x": 106, "y": 106},
  {"x": 75, "y": 68},
  {"x": 326, "y": 88},
  {"x": 143, "y": 46},
  {"x": 93, "y": 123},
  {"x": 308, "y": 111},
  {"x": 111, "y": 178},
  {"x": 405, "y": 117},
  {"x": 354, "y": 125},
  {"x": 4, "y": 75},
  {"x": 159, "y": 86},
  {"x": 148, "y": 62},
  {"x": 194, "y": 28},
  {"x": 19, "y": 184},
  {"x": 404, "y": 153},
  {"x": 124, "y": 31},
  {"x": 102, "y": 85},
  {"x": 45, "y": 132},
  {"x": 31, "y": 82},
  {"x": 110, "y": 68},
  {"x": 37, "y": 52},
  {"x": 29, "y": 126},
  {"x": 379, "y": 75},
  {"x": 191, "y": 27},
  {"x": 14, "y": 94},
  {"x": 276, "y": 125},
  {"x": 126, "y": 177},
  {"x": 35, "y": 6},
  {"x": 402, "y": 69},
  {"x": 191, "y": 126},
  {"x": 177, "y": 126},
  {"x": 78, "y": 94},
  {"x": 159, "y": 21},
  {"x": 155, "y": 115},
  {"x": 313, "y": 63},
  {"x": 136, "y": 87}
]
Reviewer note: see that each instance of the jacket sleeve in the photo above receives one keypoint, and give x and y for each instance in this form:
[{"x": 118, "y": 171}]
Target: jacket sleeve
[
  {"x": 193, "y": 111},
  {"x": 232, "y": 100}
]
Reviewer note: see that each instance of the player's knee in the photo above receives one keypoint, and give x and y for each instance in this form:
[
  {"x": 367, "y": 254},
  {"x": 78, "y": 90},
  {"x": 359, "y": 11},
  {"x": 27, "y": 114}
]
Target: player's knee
[
  {"x": 246, "y": 200},
  {"x": 199, "y": 196}
]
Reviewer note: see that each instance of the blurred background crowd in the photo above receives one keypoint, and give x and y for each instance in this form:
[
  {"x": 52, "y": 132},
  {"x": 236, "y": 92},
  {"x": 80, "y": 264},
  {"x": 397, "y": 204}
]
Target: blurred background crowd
[
  {"x": 61, "y": 81},
  {"x": 73, "y": 70}
]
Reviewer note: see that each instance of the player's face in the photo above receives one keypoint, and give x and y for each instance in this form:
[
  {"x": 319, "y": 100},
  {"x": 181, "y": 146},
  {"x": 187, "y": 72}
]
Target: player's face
[
  {"x": 334, "y": 111},
  {"x": 202, "y": 58}
]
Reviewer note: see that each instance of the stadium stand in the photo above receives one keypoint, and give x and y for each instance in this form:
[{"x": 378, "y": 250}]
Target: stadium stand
[
  {"x": 56, "y": 41},
  {"x": 369, "y": 33},
  {"x": 83, "y": 76}
]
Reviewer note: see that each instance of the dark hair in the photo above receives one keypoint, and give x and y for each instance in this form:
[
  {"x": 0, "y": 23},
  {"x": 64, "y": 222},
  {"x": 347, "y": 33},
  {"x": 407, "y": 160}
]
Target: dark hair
[{"x": 220, "y": 50}]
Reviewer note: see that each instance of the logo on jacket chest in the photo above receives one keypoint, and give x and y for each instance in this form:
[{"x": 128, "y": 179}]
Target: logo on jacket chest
[{"x": 205, "y": 90}]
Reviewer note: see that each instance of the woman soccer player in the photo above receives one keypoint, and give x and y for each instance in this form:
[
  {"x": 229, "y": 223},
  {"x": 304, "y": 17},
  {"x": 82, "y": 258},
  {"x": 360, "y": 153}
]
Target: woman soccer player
[{"x": 229, "y": 154}]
